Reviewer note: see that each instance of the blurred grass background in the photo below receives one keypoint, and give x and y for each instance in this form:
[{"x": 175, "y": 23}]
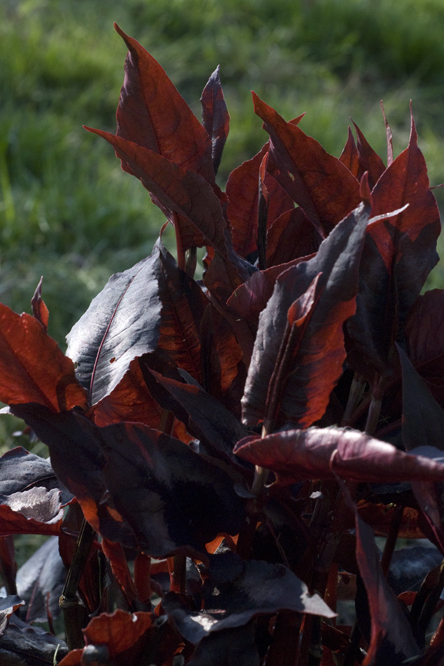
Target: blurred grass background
[{"x": 69, "y": 213}]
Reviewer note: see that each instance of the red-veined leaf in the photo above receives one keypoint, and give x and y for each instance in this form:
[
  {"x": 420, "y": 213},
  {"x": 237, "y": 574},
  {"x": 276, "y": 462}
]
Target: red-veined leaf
[
  {"x": 318, "y": 182},
  {"x": 39, "y": 309}
]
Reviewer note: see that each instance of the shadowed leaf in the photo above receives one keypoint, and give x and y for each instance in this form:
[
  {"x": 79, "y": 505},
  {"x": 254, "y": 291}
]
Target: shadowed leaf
[
  {"x": 8, "y": 606},
  {"x": 215, "y": 116},
  {"x": 321, "y": 452},
  {"x": 318, "y": 182},
  {"x": 290, "y": 237},
  {"x": 349, "y": 156},
  {"x": 23, "y": 645},
  {"x": 368, "y": 160},
  {"x": 229, "y": 647},
  {"x": 32, "y": 366}
]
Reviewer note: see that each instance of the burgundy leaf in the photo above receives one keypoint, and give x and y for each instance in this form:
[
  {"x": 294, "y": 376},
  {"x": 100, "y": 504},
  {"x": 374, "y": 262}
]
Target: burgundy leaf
[
  {"x": 242, "y": 211},
  {"x": 398, "y": 255},
  {"x": 152, "y": 114},
  {"x": 425, "y": 336},
  {"x": 183, "y": 191},
  {"x": 32, "y": 367},
  {"x": 321, "y": 452},
  {"x": 39, "y": 309},
  {"x": 422, "y": 417},
  {"x": 338, "y": 261},
  {"x": 369, "y": 161},
  {"x": 252, "y": 297},
  {"x": 215, "y": 116},
  {"x": 121, "y": 323},
  {"x": 392, "y": 639},
  {"x": 322, "y": 186},
  {"x": 291, "y": 236},
  {"x": 125, "y": 638},
  {"x": 349, "y": 156},
  {"x": 138, "y": 486}
]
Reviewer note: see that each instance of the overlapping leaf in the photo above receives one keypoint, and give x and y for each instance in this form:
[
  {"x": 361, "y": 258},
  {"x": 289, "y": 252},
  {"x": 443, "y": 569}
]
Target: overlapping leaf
[
  {"x": 349, "y": 156},
  {"x": 398, "y": 255},
  {"x": 25, "y": 646},
  {"x": 368, "y": 160},
  {"x": 318, "y": 182},
  {"x": 215, "y": 116},
  {"x": 126, "y": 638},
  {"x": 32, "y": 367},
  {"x": 31, "y": 497},
  {"x": 321, "y": 452},
  {"x": 242, "y": 210},
  {"x": 137, "y": 485},
  {"x": 152, "y": 114},
  {"x": 290, "y": 237},
  {"x": 318, "y": 348},
  {"x": 122, "y": 322}
]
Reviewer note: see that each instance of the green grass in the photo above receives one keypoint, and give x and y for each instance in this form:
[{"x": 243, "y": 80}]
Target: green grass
[{"x": 69, "y": 213}]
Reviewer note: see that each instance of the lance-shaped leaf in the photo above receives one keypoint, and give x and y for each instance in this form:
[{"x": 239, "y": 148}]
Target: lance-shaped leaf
[
  {"x": 422, "y": 416},
  {"x": 40, "y": 582},
  {"x": 291, "y": 236},
  {"x": 208, "y": 418},
  {"x": 253, "y": 588},
  {"x": 252, "y": 297},
  {"x": 121, "y": 323},
  {"x": 215, "y": 116},
  {"x": 398, "y": 255},
  {"x": 125, "y": 638},
  {"x": 242, "y": 210},
  {"x": 319, "y": 453},
  {"x": 392, "y": 639},
  {"x": 31, "y": 497},
  {"x": 425, "y": 338},
  {"x": 23, "y": 645},
  {"x": 137, "y": 483},
  {"x": 349, "y": 156},
  {"x": 369, "y": 160},
  {"x": 338, "y": 262},
  {"x": 152, "y": 114},
  {"x": 39, "y": 309},
  {"x": 32, "y": 366},
  {"x": 318, "y": 182},
  {"x": 183, "y": 191}
]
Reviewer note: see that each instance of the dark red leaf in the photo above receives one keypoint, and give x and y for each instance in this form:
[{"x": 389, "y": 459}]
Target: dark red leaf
[
  {"x": 183, "y": 191},
  {"x": 215, "y": 116},
  {"x": 398, "y": 255},
  {"x": 32, "y": 367},
  {"x": 229, "y": 647},
  {"x": 422, "y": 417},
  {"x": 252, "y": 297},
  {"x": 152, "y": 114},
  {"x": 318, "y": 182},
  {"x": 319, "y": 453},
  {"x": 291, "y": 236},
  {"x": 242, "y": 210},
  {"x": 8, "y": 565},
  {"x": 39, "y": 309},
  {"x": 115, "y": 553},
  {"x": 121, "y": 323},
  {"x": 380, "y": 517},
  {"x": 138, "y": 486},
  {"x": 349, "y": 156},
  {"x": 338, "y": 261},
  {"x": 125, "y": 638},
  {"x": 392, "y": 639},
  {"x": 369, "y": 161},
  {"x": 425, "y": 336}
]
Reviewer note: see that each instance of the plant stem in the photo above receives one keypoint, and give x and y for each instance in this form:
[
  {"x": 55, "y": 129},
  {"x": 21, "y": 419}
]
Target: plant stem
[
  {"x": 74, "y": 614},
  {"x": 375, "y": 406},
  {"x": 178, "y": 573},
  {"x": 180, "y": 251},
  {"x": 354, "y": 397}
]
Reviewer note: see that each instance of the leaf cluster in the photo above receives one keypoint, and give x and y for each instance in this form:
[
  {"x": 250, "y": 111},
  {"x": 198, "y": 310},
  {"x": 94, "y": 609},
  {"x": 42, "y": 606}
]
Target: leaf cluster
[{"x": 223, "y": 451}]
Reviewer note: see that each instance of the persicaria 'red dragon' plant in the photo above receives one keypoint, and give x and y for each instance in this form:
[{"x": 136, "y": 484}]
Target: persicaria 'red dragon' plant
[{"x": 224, "y": 450}]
